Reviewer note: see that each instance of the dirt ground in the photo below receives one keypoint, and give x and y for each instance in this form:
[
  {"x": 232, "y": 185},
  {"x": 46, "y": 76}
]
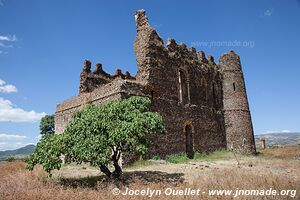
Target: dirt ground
[
  {"x": 280, "y": 161},
  {"x": 277, "y": 168}
]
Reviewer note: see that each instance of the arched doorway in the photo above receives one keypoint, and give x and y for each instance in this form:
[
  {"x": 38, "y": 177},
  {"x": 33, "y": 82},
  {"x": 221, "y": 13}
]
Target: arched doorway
[{"x": 189, "y": 141}]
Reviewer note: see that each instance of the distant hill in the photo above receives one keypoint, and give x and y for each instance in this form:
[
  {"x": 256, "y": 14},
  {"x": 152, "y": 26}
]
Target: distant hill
[
  {"x": 17, "y": 153},
  {"x": 279, "y": 139}
]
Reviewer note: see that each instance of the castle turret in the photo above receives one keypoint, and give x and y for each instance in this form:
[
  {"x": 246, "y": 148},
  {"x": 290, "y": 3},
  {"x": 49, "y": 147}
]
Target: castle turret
[
  {"x": 238, "y": 124},
  {"x": 85, "y": 78},
  {"x": 147, "y": 46}
]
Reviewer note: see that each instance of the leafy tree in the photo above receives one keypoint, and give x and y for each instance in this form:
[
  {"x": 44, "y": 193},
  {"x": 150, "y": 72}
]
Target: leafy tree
[
  {"x": 47, "y": 152},
  {"x": 99, "y": 134},
  {"x": 47, "y": 125}
]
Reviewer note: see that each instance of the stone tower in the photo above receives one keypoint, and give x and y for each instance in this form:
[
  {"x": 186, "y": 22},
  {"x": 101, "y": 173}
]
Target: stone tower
[{"x": 238, "y": 124}]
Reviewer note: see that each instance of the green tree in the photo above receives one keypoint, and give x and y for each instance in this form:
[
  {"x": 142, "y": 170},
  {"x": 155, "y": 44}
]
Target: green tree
[
  {"x": 47, "y": 125},
  {"x": 99, "y": 134},
  {"x": 47, "y": 153}
]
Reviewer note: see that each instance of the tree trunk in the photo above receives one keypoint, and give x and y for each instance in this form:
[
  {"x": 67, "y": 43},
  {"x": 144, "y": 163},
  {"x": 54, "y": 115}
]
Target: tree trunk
[
  {"x": 118, "y": 170},
  {"x": 106, "y": 171}
]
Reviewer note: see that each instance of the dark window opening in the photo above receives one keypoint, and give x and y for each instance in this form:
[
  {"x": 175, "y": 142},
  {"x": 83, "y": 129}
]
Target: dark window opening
[
  {"x": 233, "y": 84},
  {"x": 183, "y": 88},
  {"x": 152, "y": 94}
]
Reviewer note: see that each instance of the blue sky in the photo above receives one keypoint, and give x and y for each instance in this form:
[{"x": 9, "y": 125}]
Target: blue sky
[{"x": 44, "y": 43}]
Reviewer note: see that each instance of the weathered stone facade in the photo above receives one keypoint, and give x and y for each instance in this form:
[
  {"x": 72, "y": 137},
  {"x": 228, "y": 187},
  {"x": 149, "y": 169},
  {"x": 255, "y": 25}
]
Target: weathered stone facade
[{"x": 203, "y": 104}]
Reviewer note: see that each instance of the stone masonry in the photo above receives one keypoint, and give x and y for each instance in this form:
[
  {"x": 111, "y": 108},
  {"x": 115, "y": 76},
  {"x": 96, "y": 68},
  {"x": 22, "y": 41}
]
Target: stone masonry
[{"x": 203, "y": 104}]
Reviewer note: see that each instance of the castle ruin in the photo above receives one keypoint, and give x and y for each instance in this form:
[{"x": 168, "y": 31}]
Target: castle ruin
[{"x": 203, "y": 104}]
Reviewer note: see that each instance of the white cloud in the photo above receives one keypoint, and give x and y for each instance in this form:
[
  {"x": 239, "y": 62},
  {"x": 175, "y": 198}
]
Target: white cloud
[
  {"x": 4, "y": 136},
  {"x": 5, "y": 46},
  {"x": 8, "y": 38},
  {"x": 10, "y": 113},
  {"x": 268, "y": 13},
  {"x": 7, "y": 88},
  {"x": 38, "y": 137},
  {"x": 271, "y": 132},
  {"x": 12, "y": 141},
  {"x": 283, "y": 131},
  {"x": 12, "y": 145}
]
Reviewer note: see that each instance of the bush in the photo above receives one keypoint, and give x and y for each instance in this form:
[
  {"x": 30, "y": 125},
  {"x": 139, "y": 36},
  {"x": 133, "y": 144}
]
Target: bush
[{"x": 10, "y": 159}]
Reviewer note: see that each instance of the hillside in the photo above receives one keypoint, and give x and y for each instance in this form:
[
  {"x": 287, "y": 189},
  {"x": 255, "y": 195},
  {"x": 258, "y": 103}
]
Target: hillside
[
  {"x": 17, "y": 153},
  {"x": 279, "y": 139}
]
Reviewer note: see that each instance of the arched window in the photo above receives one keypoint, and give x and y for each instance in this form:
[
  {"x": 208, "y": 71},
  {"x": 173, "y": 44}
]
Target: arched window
[
  {"x": 244, "y": 142},
  {"x": 214, "y": 93},
  {"x": 214, "y": 90},
  {"x": 203, "y": 90},
  {"x": 183, "y": 88}
]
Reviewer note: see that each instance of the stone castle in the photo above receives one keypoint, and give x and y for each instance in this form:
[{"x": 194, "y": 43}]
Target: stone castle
[{"x": 203, "y": 104}]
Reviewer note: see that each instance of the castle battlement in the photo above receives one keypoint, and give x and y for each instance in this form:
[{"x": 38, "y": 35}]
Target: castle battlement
[{"x": 90, "y": 81}]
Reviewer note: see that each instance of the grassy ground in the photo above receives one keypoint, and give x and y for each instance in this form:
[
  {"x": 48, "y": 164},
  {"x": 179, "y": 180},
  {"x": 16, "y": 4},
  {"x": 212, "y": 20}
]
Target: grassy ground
[
  {"x": 277, "y": 168},
  {"x": 217, "y": 155}
]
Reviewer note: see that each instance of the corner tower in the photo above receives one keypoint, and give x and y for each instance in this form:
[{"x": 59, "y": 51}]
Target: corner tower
[
  {"x": 148, "y": 47},
  {"x": 238, "y": 124}
]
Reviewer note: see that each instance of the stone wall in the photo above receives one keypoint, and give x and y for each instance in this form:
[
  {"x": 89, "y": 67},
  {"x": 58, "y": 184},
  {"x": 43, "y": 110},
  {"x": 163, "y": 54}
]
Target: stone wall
[{"x": 105, "y": 93}]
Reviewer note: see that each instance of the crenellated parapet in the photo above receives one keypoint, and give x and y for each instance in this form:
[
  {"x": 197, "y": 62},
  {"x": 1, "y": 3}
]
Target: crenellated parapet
[
  {"x": 86, "y": 82},
  {"x": 90, "y": 81},
  {"x": 211, "y": 60},
  {"x": 161, "y": 67},
  {"x": 201, "y": 57},
  {"x": 181, "y": 51},
  {"x": 100, "y": 72}
]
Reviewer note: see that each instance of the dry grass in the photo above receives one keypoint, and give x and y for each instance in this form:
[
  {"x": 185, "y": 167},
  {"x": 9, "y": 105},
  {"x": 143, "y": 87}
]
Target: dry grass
[
  {"x": 285, "y": 153},
  {"x": 274, "y": 168}
]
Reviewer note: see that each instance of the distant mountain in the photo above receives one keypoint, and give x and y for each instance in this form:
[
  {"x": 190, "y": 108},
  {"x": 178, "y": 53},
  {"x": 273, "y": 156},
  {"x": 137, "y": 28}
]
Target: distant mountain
[
  {"x": 17, "y": 153},
  {"x": 279, "y": 139}
]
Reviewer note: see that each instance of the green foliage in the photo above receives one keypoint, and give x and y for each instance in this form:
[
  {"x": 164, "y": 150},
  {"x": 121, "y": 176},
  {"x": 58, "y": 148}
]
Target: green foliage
[
  {"x": 47, "y": 153},
  {"x": 212, "y": 156},
  {"x": 13, "y": 158},
  {"x": 47, "y": 125},
  {"x": 157, "y": 157},
  {"x": 177, "y": 158},
  {"x": 10, "y": 159},
  {"x": 99, "y": 134}
]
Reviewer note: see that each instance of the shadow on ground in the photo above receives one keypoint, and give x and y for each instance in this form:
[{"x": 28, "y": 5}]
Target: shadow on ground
[{"x": 127, "y": 178}]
